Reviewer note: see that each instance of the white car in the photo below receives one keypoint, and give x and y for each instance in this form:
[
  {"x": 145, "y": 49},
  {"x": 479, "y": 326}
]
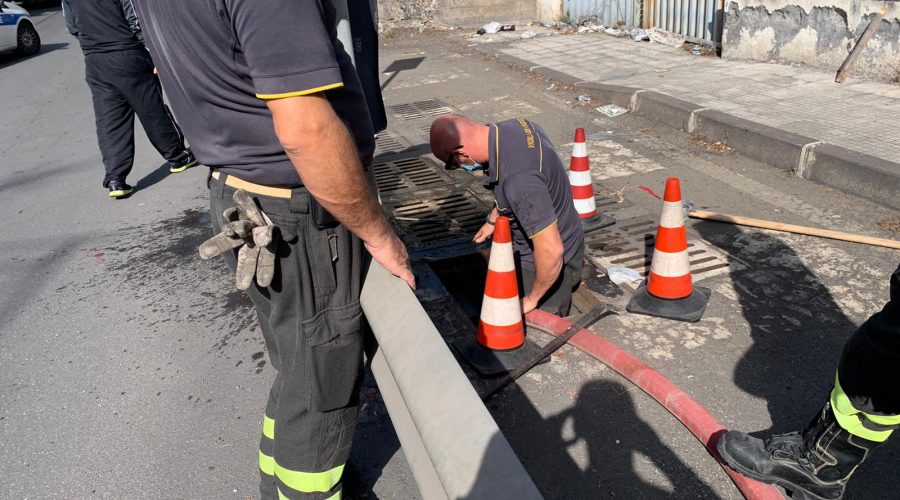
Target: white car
[{"x": 17, "y": 31}]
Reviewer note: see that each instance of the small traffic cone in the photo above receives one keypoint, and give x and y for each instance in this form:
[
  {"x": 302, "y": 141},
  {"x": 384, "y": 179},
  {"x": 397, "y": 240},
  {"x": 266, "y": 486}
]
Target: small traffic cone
[
  {"x": 500, "y": 344},
  {"x": 668, "y": 291},
  {"x": 583, "y": 187}
]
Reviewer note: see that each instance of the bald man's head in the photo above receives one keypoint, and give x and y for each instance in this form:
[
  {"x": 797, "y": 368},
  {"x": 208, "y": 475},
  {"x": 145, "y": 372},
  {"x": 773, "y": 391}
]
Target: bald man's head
[{"x": 453, "y": 132}]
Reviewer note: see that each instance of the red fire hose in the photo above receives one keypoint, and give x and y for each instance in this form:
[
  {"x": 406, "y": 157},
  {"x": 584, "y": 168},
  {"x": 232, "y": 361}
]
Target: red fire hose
[{"x": 694, "y": 416}]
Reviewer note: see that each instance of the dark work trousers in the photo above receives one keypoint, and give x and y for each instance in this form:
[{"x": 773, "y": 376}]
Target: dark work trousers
[
  {"x": 122, "y": 84},
  {"x": 558, "y": 299},
  {"x": 869, "y": 370},
  {"x": 312, "y": 323}
]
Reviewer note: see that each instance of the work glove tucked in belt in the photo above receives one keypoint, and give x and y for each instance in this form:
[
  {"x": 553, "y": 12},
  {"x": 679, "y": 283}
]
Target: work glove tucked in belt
[{"x": 248, "y": 226}]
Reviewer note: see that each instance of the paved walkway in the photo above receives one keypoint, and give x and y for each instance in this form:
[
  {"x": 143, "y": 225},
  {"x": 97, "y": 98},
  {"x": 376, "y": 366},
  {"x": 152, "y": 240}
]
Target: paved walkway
[{"x": 858, "y": 115}]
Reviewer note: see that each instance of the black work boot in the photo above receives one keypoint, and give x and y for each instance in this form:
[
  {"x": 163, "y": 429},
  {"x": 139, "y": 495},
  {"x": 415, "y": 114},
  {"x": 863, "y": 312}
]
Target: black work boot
[{"x": 815, "y": 464}]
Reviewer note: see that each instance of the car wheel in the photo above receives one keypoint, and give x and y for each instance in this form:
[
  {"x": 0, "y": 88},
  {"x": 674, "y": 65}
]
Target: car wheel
[{"x": 28, "y": 42}]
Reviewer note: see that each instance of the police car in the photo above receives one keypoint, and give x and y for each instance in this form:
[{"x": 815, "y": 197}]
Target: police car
[{"x": 17, "y": 32}]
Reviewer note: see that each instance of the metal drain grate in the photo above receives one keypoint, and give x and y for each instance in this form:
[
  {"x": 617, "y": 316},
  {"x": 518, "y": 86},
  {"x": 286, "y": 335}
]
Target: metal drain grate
[
  {"x": 437, "y": 226},
  {"x": 607, "y": 204},
  {"x": 421, "y": 109},
  {"x": 387, "y": 144},
  {"x": 630, "y": 242},
  {"x": 408, "y": 177}
]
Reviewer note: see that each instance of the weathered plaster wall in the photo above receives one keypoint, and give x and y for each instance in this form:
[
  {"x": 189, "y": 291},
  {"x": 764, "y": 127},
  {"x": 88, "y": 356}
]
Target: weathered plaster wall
[
  {"x": 467, "y": 13},
  {"x": 813, "y": 33}
]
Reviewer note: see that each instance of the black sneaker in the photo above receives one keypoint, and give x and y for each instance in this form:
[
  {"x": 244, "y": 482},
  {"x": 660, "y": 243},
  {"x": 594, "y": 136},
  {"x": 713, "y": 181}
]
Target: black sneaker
[
  {"x": 119, "y": 189},
  {"x": 183, "y": 162}
]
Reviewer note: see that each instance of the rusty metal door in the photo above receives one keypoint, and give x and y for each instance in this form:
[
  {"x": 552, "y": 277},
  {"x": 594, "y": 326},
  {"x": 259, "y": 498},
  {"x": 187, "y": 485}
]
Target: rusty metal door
[
  {"x": 697, "y": 20},
  {"x": 609, "y": 12}
]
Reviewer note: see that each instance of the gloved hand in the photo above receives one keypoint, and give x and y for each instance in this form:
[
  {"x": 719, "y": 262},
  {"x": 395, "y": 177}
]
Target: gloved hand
[{"x": 248, "y": 226}]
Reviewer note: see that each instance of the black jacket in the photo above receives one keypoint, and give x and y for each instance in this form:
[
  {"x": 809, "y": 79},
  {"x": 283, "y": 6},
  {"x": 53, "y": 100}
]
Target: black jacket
[{"x": 103, "y": 25}]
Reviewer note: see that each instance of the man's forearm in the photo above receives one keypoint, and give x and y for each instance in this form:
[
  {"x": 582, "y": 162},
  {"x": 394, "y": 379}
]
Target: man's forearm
[
  {"x": 324, "y": 155},
  {"x": 548, "y": 261},
  {"x": 546, "y": 270}
]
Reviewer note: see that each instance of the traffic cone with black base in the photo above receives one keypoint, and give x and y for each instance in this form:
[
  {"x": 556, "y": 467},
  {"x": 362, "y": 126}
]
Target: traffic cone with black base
[
  {"x": 583, "y": 187},
  {"x": 500, "y": 344},
  {"x": 668, "y": 291}
]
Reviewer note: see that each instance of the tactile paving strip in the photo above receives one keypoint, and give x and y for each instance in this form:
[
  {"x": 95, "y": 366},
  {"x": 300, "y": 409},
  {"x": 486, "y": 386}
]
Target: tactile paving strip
[
  {"x": 630, "y": 243},
  {"x": 421, "y": 109}
]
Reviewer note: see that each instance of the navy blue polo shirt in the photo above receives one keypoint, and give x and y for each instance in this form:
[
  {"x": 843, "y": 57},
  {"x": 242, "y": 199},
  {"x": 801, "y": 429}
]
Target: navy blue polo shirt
[
  {"x": 220, "y": 60},
  {"x": 531, "y": 186}
]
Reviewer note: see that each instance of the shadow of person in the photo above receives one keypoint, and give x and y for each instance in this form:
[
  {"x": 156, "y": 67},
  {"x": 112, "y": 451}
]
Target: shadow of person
[
  {"x": 797, "y": 328},
  {"x": 798, "y": 334},
  {"x": 593, "y": 448},
  {"x": 157, "y": 175}
]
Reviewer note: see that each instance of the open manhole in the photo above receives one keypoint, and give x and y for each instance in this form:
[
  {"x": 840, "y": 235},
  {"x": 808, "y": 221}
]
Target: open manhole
[
  {"x": 630, "y": 243},
  {"x": 441, "y": 225},
  {"x": 421, "y": 109}
]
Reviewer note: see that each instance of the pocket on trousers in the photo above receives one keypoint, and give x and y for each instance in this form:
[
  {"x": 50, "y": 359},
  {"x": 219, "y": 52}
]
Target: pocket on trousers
[{"x": 335, "y": 339}]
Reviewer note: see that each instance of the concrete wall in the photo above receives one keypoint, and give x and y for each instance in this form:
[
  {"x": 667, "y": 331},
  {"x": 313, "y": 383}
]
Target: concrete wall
[
  {"x": 814, "y": 33},
  {"x": 468, "y": 13}
]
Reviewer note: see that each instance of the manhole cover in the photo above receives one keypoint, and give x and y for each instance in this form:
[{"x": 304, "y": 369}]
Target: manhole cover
[
  {"x": 421, "y": 109},
  {"x": 630, "y": 242},
  {"x": 441, "y": 225}
]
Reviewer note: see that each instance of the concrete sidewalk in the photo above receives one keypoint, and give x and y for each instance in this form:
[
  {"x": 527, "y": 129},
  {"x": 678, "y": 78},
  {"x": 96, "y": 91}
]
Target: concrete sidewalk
[{"x": 794, "y": 118}]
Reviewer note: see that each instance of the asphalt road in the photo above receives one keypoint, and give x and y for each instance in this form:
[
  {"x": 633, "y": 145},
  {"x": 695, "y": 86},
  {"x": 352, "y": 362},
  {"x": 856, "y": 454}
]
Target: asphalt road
[{"x": 128, "y": 367}]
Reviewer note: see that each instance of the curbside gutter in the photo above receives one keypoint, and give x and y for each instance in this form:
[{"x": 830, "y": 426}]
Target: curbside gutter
[{"x": 869, "y": 177}]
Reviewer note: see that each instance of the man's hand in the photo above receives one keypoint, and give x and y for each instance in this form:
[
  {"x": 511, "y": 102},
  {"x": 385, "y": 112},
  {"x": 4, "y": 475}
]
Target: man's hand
[
  {"x": 325, "y": 156},
  {"x": 528, "y": 304},
  {"x": 486, "y": 231},
  {"x": 391, "y": 253}
]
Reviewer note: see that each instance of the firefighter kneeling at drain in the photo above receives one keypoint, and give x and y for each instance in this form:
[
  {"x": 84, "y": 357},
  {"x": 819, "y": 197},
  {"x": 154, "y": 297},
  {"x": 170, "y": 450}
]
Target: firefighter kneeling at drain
[{"x": 531, "y": 187}]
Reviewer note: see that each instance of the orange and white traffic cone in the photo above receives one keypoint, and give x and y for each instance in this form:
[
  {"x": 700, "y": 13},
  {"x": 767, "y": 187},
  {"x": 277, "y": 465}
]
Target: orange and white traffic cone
[
  {"x": 668, "y": 291},
  {"x": 583, "y": 187},
  {"x": 500, "y": 344},
  {"x": 501, "y": 326}
]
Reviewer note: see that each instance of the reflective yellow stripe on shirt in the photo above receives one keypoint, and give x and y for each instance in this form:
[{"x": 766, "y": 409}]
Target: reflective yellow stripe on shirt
[
  {"x": 309, "y": 482},
  {"x": 323, "y": 88}
]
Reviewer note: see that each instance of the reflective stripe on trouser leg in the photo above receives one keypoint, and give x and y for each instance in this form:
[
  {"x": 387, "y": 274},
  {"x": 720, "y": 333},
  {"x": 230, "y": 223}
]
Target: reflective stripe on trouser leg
[
  {"x": 336, "y": 496},
  {"x": 267, "y": 447},
  {"x": 309, "y": 485},
  {"x": 876, "y": 428}
]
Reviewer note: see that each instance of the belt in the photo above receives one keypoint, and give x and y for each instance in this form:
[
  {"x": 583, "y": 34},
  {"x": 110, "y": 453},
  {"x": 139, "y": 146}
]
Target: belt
[{"x": 250, "y": 187}]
